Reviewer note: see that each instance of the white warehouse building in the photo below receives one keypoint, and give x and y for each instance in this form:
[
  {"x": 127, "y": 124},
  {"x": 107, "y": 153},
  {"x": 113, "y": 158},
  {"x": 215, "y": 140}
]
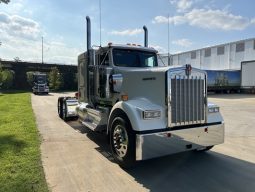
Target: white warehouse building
[{"x": 226, "y": 56}]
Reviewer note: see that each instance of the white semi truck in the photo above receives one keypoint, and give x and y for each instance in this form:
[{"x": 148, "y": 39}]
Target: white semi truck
[{"x": 146, "y": 111}]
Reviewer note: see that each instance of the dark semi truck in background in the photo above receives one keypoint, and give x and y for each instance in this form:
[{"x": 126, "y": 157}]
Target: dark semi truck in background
[{"x": 40, "y": 83}]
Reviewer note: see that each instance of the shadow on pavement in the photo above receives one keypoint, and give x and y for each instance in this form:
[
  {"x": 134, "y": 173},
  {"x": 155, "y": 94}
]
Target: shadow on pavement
[
  {"x": 193, "y": 171},
  {"x": 231, "y": 96},
  {"x": 43, "y": 94},
  {"x": 189, "y": 171}
]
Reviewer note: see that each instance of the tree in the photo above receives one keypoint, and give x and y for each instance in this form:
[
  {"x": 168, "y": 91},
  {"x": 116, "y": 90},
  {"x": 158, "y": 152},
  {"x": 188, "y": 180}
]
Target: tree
[
  {"x": 1, "y": 76},
  {"x": 17, "y": 59},
  {"x": 30, "y": 78},
  {"x": 55, "y": 79},
  {"x": 5, "y": 1},
  {"x": 7, "y": 78}
]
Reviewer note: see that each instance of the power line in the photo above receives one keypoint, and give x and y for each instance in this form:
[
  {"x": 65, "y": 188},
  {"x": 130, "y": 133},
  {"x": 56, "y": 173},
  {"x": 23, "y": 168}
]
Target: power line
[{"x": 100, "y": 15}]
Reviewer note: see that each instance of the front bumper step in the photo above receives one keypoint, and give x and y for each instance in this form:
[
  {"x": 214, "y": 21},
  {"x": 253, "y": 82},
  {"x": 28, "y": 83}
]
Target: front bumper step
[{"x": 170, "y": 142}]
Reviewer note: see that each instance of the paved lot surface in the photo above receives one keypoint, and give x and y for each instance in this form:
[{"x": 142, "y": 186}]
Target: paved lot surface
[{"x": 76, "y": 159}]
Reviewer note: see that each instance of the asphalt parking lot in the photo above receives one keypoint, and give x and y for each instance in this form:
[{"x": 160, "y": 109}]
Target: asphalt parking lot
[{"x": 76, "y": 159}]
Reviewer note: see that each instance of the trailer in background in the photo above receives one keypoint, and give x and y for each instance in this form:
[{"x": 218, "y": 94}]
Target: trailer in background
[
  {"x": 226, "y": 81},
  {"x": 248, "y": 76}
]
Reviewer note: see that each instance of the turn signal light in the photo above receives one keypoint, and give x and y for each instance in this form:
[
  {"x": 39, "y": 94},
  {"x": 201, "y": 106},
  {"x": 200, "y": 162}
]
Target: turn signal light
[
  {"x": 124, "y": 97},
  {"x": 77, "y": 95}
]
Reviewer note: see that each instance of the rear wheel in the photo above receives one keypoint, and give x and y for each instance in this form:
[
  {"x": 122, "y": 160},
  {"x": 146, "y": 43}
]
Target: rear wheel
[
  {"x": 122, "y": 142},
  {"x": 64, "y": 110},
  {"x": 60, "y": 107},
  {"x": 205, "y": 149}
]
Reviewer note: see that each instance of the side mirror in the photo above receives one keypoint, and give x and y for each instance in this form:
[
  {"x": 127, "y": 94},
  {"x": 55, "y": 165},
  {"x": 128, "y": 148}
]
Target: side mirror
[{"x": 116, "y": 82}]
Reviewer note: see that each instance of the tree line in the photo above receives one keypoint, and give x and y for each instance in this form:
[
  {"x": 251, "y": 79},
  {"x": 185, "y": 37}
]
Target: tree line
[
  {"x": 56, "y": 80},
  {"x": 6, "y": 78}
]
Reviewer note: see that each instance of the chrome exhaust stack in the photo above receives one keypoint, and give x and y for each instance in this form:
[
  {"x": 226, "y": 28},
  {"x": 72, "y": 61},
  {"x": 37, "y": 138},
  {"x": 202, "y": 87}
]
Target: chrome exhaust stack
[
  {"x": 88, "y": 33},
  {"x": 145, "y": 36},
  {"x": 90, "y": 58}
]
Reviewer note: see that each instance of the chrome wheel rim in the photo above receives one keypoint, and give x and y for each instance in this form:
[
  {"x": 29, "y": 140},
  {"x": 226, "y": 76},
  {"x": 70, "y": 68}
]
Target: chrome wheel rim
[{"x": 120, "y": 140}]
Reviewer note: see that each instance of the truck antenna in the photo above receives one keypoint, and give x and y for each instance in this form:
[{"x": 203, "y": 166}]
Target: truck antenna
[{"x": 100, "y": 21}]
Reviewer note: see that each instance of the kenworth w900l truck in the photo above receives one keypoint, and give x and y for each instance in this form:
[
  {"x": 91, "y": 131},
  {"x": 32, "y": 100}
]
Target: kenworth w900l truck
[{"x": 146, "y": 111}]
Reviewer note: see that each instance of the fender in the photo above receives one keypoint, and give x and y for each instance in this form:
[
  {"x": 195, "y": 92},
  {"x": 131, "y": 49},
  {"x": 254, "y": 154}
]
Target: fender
[
  {"x": 134, "y": 110},
  {"x": 214, "y": 117}
]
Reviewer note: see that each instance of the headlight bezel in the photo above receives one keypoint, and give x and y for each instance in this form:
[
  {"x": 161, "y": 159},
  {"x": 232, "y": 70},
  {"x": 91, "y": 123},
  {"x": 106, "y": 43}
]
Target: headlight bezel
[
  {"x": 151, "y": 114},
  {"x": 213, "y": 109}
]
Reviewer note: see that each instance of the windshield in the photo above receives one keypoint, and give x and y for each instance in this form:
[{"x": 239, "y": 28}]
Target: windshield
[
  {"x": 40, "y": 79},
  {"x": 134, "y": 58}
]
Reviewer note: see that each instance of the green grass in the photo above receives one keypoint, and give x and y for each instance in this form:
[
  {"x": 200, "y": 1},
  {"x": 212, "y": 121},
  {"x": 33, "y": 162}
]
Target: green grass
[{"x": 20, "y": 158}]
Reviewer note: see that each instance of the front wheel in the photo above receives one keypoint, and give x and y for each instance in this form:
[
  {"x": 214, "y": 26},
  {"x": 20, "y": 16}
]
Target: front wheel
[
  {"x": 122, "y": 141},
  {"x": 205, "y": 149}
]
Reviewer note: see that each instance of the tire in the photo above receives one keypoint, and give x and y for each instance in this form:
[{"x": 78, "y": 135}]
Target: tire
[
  {"x": 205, "y": 149},
  {"x": 60, "y": 107},
  {"x": 122, "y": 151},
  {"x": 64, "y": 110}
]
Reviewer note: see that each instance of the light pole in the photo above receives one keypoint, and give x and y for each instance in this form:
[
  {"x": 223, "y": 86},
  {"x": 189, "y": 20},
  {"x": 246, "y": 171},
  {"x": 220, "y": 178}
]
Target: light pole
[
  {"x": 100, "y": 21},
  {"x": 42, "y": 49},
  {"x": 168, "y": 39}
]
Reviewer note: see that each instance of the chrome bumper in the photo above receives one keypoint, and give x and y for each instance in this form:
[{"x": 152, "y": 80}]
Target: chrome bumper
[
  {"x": 170, "y": 142},
  {"x": 41, "y": 90}
]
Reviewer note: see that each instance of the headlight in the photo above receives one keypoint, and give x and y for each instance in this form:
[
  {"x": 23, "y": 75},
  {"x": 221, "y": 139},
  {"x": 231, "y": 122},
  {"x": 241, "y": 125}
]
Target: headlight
[
  {"x": 213, "y": 109},
  {"x": 151, "y": 114}
]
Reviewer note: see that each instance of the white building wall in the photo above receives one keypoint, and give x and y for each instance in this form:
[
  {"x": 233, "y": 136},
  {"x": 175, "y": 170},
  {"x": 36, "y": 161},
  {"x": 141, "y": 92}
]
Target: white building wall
[
  {"x": 229, "y": 60},
  {"x": 195, "y": 62}
]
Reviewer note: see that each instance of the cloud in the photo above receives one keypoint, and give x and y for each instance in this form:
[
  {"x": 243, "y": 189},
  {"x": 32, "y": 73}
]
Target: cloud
[
  {"x": 216, "y": 19},
  {"x": 182, "y": 42},
  {"x": 158, "y": 48},
  {"x": 208, "y": 19},
  {"x": 18, "y": 26},
  {"x": 4, "y": 18},
  {"x": 253, "y": 21},
  {"x": 27, "y": 50},
  {"x": 184, "y": 5},
  {"x": 128, "y": 32},
  {"x": 176, "y": 20},
  {"x": 21, "y": 37}
]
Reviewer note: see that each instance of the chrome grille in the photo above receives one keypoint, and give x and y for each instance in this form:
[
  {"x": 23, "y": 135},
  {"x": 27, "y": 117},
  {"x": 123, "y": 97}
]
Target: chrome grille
[{"x": 187, "y": 100}]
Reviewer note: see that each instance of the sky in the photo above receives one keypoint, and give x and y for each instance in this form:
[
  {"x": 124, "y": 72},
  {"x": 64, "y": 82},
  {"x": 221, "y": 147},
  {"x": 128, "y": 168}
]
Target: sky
[{"x": 193, "y": 24}]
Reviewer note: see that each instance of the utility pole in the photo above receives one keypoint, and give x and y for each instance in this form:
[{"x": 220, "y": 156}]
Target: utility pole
[
  {"x": 42, "y": 49},
  {"x": 168, "y": 38}
]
